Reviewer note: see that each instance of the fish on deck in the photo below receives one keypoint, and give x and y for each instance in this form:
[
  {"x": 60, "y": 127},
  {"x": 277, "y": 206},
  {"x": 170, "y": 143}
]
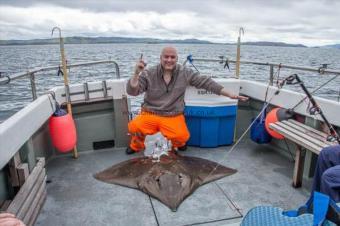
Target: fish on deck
[{"x": 170, "y": 180}]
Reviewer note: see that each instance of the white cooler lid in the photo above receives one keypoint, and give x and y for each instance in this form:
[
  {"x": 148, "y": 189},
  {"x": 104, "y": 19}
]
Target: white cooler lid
[{"x": 211, "y": 103}]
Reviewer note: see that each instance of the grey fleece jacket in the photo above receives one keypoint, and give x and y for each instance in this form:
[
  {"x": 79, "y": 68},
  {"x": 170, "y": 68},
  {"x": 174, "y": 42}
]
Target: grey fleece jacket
[{"x": 168, "y": 100}]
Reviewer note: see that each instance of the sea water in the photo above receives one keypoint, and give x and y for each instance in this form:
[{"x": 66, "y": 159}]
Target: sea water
[{"x": 17, "y": 93}]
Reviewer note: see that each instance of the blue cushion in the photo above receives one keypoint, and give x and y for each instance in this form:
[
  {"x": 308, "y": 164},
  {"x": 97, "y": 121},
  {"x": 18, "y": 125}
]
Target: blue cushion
[{"x": 269, "y": 216}]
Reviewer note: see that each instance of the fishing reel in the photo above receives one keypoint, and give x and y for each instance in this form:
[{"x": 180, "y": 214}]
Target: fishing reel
[
  {"x": 314, "y": 110},
  {"x": 191, "y": 60},
  {"x": 292, "y": 80},
  {"x": 289, "y": 80},
  {"x": 331, "y": 138}
]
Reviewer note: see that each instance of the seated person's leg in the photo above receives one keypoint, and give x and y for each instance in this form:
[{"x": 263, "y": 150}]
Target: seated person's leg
[
  {"x": 330, "y": 183},
  {"x": 144, "y": 124},
  {"x": 328, "y": 157},
  {"x": 175, "y": 129}
]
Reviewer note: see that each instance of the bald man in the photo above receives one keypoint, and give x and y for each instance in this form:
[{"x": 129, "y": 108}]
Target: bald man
[{"x": 162, "y": 111}]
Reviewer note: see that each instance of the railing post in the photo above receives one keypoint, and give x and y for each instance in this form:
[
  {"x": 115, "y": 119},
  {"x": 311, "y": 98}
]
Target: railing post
[
  {"x": 117, "y": 70},
  {"x": 271, "y": 75},
  {"x": 238, "y": 52},
  {"x": 33, "y": 87},
  {"x": 104, "y": 89}
]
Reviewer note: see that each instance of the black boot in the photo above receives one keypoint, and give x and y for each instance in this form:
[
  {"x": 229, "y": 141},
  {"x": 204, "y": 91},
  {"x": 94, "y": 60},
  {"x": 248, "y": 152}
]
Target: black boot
[
  {"x": 130, "y": 151},
  {"x": 183, "y": 148}
]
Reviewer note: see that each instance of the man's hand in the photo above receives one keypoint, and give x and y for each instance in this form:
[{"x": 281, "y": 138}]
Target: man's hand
[
  {"x": 241, "y": 98},
  {"x": 225, "y": 92},
  {"x": 138, "y": 70},
  {"x": 139, "y": 67},
  {"x": 8, "y": 219}
]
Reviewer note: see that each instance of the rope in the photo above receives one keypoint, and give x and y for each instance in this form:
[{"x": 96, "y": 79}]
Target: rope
[
  {"x": 288, "y": 149},
  {"x": 277, "y": 79},
  {"x": 265, "y": 97},
  {"x": 241, "y": 137}
]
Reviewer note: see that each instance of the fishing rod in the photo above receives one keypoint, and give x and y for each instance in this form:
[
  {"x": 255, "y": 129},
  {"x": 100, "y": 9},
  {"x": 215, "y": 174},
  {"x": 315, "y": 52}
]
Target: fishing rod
[
  {"x": 66, "y": 81},
  {"x": 293, "y": 80}
]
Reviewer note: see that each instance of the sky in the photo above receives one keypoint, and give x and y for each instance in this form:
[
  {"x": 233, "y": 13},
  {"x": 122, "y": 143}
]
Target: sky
[{"x": 308, "y": 22}]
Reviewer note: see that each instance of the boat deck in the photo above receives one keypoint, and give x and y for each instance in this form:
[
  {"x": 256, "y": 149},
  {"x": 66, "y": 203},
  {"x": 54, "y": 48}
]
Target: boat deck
[{"x": 76, "y": 198}]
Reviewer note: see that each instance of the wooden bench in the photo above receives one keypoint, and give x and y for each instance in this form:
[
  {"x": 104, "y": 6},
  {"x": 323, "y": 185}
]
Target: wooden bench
[
  {"x": 28, "y": 201},
  {"x": 306, "y": 138}
]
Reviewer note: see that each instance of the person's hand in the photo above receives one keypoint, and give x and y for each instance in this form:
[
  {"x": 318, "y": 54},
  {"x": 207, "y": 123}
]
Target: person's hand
[
  {"x": 241, "y": 98},
  {"x": 139, "y": 67},
  {"x": 8, "y": 219}
]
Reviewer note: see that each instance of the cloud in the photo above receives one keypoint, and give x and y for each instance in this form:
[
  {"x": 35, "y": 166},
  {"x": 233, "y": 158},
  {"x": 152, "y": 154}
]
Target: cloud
[
  {"x": 37, "y": 21},
  {"x": 308, "y": 22}
]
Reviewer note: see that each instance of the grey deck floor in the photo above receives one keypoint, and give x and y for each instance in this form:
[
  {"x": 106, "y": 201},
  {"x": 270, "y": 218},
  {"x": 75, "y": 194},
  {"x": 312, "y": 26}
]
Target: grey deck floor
[{"x": 76, "y": 198}]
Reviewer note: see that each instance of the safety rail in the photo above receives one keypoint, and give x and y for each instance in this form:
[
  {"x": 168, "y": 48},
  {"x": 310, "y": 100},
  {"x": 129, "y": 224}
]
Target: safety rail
[
  {"x": 31, "y": 73},
  {"x": 223, "y": 60}
]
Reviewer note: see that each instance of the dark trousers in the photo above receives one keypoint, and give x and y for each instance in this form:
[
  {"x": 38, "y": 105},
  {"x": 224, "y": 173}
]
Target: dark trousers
[{"x": 327, "y": 172}]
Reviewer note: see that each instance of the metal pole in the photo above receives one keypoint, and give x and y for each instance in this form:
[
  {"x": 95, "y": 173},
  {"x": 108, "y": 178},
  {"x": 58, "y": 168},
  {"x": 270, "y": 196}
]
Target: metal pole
[
  {"x": 7, "y": 79},
  {"x": 238, "y": 54},
  {"x": 268, "y": 64},
  {"x": 271, "y": 75},
  {"x": 33, "y": 86},
  {"x": 64, "y": 67}
]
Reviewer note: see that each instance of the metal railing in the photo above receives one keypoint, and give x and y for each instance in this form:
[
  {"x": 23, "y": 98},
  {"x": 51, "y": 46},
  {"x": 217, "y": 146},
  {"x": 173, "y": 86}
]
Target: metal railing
[
  {"x": 222, "y": 60},
  {"x": 31, "y": 73}
]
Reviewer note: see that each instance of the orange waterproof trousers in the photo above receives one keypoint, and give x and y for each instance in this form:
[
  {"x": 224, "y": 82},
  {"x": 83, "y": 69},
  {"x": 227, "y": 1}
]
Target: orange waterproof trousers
[{"x": 171, "y": 127}]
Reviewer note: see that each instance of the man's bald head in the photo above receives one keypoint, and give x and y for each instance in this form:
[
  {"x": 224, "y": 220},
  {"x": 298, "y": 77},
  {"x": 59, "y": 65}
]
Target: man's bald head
[
  {"x": 169, "y": 58},
  {"x": 169, "y": 49}
]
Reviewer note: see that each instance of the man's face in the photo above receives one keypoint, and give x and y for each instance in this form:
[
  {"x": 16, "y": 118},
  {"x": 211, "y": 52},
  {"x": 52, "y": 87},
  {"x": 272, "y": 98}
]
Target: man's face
[{"x": 169, "y": 58}]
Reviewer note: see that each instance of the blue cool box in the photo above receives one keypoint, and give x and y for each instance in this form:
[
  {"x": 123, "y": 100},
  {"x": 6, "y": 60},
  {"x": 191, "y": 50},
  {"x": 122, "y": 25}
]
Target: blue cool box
[{"x": 210, "y": 126}]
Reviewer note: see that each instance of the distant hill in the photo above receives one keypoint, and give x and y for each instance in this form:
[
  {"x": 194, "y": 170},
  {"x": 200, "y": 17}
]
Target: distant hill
[
  {"x": 336, "y": 46},
  {"x": 281, "y": 44},
  {"x": 106, "y": 40},
  {"x": 99, "y": 40}
]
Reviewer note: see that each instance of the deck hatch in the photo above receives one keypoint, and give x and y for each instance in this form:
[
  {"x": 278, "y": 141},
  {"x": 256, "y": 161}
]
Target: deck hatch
[{"x": 103, "y": 144}]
